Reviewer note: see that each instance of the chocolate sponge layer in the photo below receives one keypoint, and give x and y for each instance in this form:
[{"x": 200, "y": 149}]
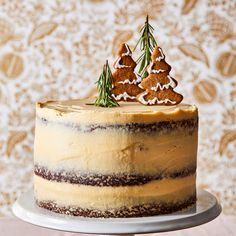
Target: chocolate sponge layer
[
  {"x": 158, "y": 127},
  {"x": 107, "y": 180},
  {"x": 135, "y": 211}
]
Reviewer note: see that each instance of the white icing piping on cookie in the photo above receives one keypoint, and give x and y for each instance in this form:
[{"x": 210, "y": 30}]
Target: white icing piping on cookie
[
  {"x": 150, "y": 70},
  {"x": 162, "y": 56},
  {"x": 154, "y": 100},
  {"x": 172, "y": 84},
  {"x": 135, "y": 81},
  {"x": 118, "y": 65},
  {"x": 124, "y": 95},
  {"x": 128, "y": 52},
  {"x": 140, "y": 86},
  {"x": 156, "y": 71}
]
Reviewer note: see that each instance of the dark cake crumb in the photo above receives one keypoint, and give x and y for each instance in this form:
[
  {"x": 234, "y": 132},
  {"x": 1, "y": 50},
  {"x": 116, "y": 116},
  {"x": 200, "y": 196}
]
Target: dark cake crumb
[
  {"x": 158, "y": 127},
  {"x": 125, "y": 212},
  {"x": 107, "y": 180}
]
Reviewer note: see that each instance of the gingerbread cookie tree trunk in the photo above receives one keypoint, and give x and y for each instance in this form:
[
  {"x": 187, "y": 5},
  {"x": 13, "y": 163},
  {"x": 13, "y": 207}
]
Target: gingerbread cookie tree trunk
[
  {"x": 125, "y": 80},
  {"x": 159, "y": 85}
]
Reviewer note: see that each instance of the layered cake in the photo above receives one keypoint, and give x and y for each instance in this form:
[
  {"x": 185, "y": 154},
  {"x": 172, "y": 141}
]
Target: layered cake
[
  {"x": 129, "y": 152},
  {"x": 126, "y": 161}
]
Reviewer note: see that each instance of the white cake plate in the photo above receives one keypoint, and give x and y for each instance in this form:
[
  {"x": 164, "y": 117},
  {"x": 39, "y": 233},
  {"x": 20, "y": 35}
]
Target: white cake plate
[{"x": 207, "y": 208}]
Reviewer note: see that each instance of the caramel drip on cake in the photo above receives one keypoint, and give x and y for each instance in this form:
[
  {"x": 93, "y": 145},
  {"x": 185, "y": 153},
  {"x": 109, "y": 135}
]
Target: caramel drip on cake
[
  {"x": 125, "y": 80},
  {"x": 159, "y": 85}
]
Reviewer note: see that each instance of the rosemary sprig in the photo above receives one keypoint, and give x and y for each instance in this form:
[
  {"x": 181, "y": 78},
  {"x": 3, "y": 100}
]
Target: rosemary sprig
[
  {"x": 147, "y": 43},
  {"x": 104, "y": 86}
]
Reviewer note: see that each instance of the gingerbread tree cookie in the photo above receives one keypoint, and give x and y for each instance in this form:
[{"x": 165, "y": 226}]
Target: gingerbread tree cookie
[
  {"x": 159, "y": 85},
  {"x": 125, "y": 80}
]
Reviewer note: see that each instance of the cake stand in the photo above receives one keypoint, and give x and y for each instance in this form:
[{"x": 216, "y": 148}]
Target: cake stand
[{"x": 206, "y": 209}]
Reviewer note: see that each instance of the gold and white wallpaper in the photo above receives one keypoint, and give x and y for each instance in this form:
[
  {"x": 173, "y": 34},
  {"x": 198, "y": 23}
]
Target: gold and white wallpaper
[{"x": 55, "y": 50}]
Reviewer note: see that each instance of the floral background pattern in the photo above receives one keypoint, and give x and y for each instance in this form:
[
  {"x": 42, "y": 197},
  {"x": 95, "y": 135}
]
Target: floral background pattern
[{"x": 56, "y": 49}]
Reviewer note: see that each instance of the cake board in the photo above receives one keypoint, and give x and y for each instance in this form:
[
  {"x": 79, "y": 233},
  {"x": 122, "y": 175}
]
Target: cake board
[{"x": 206, "y": 209}]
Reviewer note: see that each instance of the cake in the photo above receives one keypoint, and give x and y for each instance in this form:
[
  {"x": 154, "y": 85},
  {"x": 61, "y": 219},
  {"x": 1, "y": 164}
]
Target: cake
[
  {"x": 126, "y": 161},
  {"x": 129, "y": 152}
]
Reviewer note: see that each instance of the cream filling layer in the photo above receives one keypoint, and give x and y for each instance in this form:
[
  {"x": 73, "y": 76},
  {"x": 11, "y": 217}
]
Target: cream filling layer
[
  {"x": 103, "y": 198},
  {"x": 113, "y": 151},
  {"x": 76, "y": 111}
]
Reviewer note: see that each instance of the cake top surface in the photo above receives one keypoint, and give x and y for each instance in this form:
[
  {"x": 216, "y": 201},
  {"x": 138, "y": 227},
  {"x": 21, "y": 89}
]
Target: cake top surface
[
  {"x": 83, "y": 105},
  {"x": 78, "y": 111}
]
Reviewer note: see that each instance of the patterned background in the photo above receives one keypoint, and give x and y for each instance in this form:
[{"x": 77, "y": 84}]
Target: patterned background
[{"x": 56, "y": 49}]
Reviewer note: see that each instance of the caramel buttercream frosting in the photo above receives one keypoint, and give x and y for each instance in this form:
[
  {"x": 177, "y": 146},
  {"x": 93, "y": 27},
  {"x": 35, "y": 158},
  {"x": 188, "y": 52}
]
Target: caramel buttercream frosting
[
  {"x": 124, "y": 161},
  {"x": 127, "y": 112}
]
